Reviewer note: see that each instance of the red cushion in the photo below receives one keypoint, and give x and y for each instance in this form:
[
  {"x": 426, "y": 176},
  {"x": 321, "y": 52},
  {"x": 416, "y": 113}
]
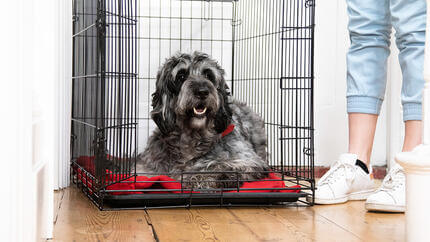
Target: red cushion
[{"x": 272, "y": 183}]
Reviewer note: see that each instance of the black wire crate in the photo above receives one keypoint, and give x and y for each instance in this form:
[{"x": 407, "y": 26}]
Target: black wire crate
[{"x": 266, "y": 50}]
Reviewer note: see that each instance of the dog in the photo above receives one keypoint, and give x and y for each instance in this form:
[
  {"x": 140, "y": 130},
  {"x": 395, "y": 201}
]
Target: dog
[{"x": 192, "y": 107}]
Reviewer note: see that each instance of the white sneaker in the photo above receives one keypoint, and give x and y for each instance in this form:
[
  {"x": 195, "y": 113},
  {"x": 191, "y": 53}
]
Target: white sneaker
[
  {"x": 344, "y": 181},
  {"x": 390, "y": 197}
]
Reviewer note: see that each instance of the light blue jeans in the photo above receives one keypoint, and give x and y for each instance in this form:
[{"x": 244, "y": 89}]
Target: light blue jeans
[{"x": 370, "y": 23}]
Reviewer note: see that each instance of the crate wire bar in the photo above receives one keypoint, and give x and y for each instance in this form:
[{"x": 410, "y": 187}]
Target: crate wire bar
[{"x": 266, "y": 49}]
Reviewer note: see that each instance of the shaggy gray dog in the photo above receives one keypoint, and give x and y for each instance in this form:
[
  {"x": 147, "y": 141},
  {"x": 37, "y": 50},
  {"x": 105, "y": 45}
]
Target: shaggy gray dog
[{"x": 192, "y": 107}]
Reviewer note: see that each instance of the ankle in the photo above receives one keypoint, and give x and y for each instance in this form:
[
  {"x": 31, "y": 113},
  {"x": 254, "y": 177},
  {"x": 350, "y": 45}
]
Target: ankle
[
  {"x": 413, "y": 135},
  {"x": 363, "y": 156},
  {"x": 407, "y": 147}
]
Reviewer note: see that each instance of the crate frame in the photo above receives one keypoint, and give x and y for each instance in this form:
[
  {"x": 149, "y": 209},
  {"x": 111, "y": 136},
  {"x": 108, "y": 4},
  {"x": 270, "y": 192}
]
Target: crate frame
[{"x": 105, "y": 99}]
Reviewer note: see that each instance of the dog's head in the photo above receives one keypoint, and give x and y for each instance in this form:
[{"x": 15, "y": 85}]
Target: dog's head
[{"x": 191, "y": 93}]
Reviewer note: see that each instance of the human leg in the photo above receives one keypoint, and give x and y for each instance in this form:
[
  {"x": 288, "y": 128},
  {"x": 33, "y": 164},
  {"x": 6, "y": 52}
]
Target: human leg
[
  {"x": 409, "y": 21},
  {"x": 369, "y": 29}
]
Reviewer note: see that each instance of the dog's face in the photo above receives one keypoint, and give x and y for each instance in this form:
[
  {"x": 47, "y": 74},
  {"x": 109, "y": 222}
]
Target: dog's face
[{"x": 191, "y": 93}]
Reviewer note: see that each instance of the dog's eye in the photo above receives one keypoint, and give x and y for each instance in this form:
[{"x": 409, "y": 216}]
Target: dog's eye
[
  {"x": 209, "y": 75},
  {"x": 181, "y": 76}
]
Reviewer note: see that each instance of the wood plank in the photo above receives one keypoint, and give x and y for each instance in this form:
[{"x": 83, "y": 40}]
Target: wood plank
[
  {"x": 58, "y": 198},
  {"x": 79, "y": 220},
  {"x": 368, "y": 226},
  {"x": 268, "y": 227},
  {"x": 245, "y": 224},
  {"x": 291, "y": 224},
  {"x": 199, "y": 224}
]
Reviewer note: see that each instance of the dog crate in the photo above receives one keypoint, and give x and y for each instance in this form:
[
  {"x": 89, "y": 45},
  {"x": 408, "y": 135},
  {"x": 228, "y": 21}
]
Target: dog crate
[{"x": 266, "y": 49}]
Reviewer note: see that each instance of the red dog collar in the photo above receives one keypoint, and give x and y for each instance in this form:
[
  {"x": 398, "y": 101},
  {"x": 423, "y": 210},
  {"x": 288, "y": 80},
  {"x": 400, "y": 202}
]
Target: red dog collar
[{"x": 228, "y": 130}]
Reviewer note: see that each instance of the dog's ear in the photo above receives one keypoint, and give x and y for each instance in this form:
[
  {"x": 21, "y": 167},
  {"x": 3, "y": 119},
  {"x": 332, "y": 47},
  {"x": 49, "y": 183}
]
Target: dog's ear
[
  {"x": 161, "y": 113},
  {"x": 224, "y": 114}
]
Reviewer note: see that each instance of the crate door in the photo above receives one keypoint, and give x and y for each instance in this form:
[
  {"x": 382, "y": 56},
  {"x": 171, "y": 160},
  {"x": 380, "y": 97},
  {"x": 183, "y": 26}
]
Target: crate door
[
  {"x": 104, "y": 90},
  {"x": 117, "y": 35}
]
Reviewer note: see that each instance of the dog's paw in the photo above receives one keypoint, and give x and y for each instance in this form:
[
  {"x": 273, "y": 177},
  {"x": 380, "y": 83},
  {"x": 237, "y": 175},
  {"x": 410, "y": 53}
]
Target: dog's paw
[{"x": 199, "y": 182}]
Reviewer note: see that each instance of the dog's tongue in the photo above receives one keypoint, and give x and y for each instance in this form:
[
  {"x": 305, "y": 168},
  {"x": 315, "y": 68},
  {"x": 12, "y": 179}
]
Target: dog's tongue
[{"x": 200, "y": 110}]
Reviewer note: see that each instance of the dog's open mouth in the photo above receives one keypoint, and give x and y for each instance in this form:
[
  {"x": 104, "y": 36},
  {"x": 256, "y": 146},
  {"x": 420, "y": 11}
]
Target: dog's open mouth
[{"x": 199, "y": 110}]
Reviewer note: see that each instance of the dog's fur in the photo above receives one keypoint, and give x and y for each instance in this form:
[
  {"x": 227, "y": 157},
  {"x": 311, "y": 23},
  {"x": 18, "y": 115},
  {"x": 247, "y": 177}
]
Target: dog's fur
[{"x": 186, "y": 141}]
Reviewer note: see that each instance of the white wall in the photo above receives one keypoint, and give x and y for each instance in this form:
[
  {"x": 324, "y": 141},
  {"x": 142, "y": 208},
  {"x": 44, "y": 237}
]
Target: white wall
[
  {"x": 394, "y": 125},
  {"x": 331, "y": 46},
  {"x": 63, "y": 91}
]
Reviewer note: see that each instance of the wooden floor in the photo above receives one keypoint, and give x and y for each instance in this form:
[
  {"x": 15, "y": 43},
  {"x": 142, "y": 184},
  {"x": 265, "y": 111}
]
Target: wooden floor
[{"x": 76, "y": 219}]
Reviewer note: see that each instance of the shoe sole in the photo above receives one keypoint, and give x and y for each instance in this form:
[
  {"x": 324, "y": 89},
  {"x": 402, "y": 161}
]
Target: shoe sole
[
  {"x": 362, "y": 195},
  {"x": 375, "y": 207}
]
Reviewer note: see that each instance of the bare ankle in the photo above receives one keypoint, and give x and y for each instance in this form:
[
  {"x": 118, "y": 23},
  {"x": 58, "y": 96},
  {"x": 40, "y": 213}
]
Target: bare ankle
[
  {"x": 364, "y": 156},
  {"x": 413, "y": 135}
]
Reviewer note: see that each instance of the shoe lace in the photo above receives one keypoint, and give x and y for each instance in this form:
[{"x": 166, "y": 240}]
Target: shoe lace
[
  {"x": 394, "y": 179},
  {"x": 335, "y": 171}
]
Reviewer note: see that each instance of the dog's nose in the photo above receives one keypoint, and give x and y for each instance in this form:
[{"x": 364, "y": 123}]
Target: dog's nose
[{"x": 202, "y": 92}]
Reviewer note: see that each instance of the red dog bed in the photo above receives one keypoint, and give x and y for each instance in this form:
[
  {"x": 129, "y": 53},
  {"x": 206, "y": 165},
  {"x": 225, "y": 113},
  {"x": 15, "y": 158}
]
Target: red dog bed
[{"x": 270, "y": 184}]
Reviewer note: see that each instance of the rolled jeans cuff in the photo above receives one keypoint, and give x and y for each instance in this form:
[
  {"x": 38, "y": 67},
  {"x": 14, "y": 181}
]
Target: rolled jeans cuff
[
  {"x": 364, "y": 104},
  {"x": 412, "y": 111}
]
